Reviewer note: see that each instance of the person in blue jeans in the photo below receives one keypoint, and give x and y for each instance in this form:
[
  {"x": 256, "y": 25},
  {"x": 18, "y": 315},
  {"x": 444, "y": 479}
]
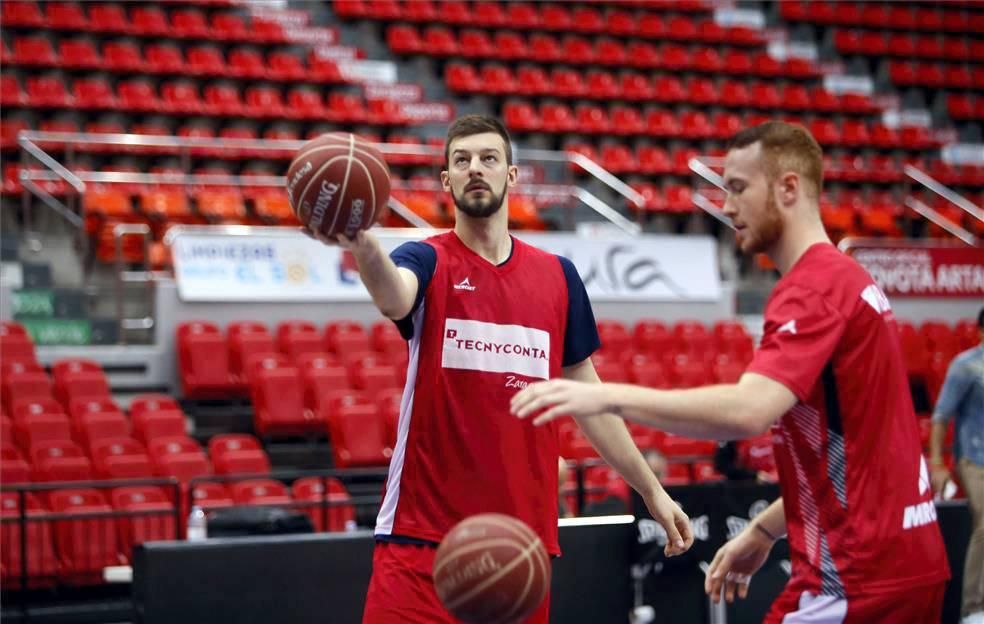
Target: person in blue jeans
[{"x": 962, "y": 398}]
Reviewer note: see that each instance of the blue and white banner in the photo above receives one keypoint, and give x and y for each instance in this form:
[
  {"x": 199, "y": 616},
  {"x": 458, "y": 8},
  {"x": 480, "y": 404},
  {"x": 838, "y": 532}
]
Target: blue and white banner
[{"x": 238, "y": 263}]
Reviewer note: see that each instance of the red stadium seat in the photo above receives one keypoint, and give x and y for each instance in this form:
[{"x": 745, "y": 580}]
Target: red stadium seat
[
  {"x": 59, "y": 460},
  {"x": 41, "y": 563},
  {"x": 30, "y": 428},
  {"x": 161, "y": 424},
  {"x": 85, "y": 545},
  {"x": 93, "y": 427},
  {"x": 17, "y": 13},
  {"x": 149, "y": 21},
  {"x": 108, "y": 18},
  {"x": 189, "y": 23},
  {"x": 230, "y": 27},
  {"x": 278, "y": 403},
  {"x": 330, "y": 508},
  {"x": 296, "y": 338},
  {"x": 260, "y": 492},
  {"x": 544, "y": 48},
  {"x": 358, "y": 436},
  {"x": 210, "y": 496},
  {"x": 16, "y": 344},
  {"x": 343, "y": 336},
  {"x": 149, "y": 516},
  {"x": 65, "y": 16},
  {"x": 120, "y": 458},
  {"x": 34, "y": 50},
  {"x": 47, "y": 92},
  {"x": 203, "y": 361},
  {"x": 24, "y": 384},
  {"x": 285, "y": 66},
  {"x": 122, "y": 56},
  {"x": 476, "y": 44},
  {"x": 568, "y": 83},
  {"x": 244, "y": 461},
  {"x": 181, "y": 458}
]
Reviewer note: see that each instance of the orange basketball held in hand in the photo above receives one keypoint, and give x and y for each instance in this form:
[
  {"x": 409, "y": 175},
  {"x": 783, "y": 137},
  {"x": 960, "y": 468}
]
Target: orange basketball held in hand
[
  {"x": 491, "y": 569},
  {"x": 338, "y": 183}
]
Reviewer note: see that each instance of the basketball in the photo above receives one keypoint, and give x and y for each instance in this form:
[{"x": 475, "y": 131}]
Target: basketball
[
  {"x": 491, "y": 568},
  {"x": 338, "y": 183}
]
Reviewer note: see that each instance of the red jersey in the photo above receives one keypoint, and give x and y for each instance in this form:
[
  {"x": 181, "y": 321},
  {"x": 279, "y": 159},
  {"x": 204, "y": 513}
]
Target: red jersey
[
  {"x": 478, "y": 334},
  {"x": 859, "y": 507}
]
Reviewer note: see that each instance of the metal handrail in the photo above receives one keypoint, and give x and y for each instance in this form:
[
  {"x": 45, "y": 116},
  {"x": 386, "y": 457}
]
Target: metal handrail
[{"x": 28, "y": 139}]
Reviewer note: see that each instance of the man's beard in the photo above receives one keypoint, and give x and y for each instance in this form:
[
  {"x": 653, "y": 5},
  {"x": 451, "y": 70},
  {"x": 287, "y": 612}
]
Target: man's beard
[
  {"x": 480, "y": 208},
  {"x": 769, "y": 230}
]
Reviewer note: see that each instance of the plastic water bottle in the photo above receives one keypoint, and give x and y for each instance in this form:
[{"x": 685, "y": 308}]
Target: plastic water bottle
[{"x": 197, "y": 525}]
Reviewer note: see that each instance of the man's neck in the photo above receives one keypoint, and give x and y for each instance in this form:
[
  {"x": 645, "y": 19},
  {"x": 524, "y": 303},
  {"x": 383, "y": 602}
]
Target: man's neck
[
  {"x": 489, "y": 238},
  {"x": 796, "y": 239}
]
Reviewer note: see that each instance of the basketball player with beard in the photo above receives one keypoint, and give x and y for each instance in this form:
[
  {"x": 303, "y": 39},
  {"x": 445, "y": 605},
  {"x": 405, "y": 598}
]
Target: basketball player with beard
[
  {"x": 829, "y": 380},
  {"x": 485, "y": 315}
]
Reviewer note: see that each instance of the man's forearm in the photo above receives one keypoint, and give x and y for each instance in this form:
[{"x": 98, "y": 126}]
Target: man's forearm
[
  {"x": 936, "y": 439},
  {"x": 610, "y": 437},
  {"x": 772, "y": 521},
  {"x": 712, "y": 412}
]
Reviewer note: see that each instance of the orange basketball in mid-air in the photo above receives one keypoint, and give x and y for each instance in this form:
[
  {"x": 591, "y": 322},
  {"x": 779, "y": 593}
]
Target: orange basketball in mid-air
[
  {"x": 491, "y": 569},
  {"x": 338, "y": 183}
]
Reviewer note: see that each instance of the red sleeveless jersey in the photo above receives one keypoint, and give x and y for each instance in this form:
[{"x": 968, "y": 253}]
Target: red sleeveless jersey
[
  {"x": 859, "y": 507},
  {"x": 481, "y": 332}
]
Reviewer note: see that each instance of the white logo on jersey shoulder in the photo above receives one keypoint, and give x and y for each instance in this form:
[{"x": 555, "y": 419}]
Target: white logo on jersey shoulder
[
  {"x": 873, "y": 296},
  {"x": 788, "y": 326},
  {"x": 464, "y": 285},
  {"x": 922, "y": 513}
]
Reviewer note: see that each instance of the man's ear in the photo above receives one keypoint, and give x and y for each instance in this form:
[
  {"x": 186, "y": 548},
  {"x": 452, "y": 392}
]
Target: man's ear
[
  {"x": 512, "y": 175},
  {"x": 789, "y": 185},
  {"x": 446, "y": 181}
]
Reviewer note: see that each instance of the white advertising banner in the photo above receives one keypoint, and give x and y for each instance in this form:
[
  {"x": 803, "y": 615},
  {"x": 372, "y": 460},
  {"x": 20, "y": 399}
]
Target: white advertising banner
[{"x": 271, "y": 264}]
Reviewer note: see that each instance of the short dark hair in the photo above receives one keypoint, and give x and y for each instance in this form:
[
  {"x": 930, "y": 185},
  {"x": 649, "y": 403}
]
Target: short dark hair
[
  {"x": 980, "y": 319},
  {"x": 468, "y": 125},
  {"x": 785, "y": 147}
]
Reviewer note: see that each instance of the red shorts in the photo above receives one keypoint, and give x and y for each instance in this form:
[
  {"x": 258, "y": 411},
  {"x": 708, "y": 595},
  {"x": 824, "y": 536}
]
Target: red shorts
[
  {"x": 918, "y": 605},
  {"x": 401, "y": 590}
]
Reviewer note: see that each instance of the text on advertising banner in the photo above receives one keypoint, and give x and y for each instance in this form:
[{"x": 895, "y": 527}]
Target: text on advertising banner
[
  {"x": 263, "y": 264},
  {"x": 926, "y": 271}
]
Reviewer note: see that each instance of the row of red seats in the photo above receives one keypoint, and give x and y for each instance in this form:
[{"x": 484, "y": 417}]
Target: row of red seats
[
  {"x": 530, "y": 16},
  {"x": 204, "y": 60},
  {"x": 936, "y": 75},
  {"x": 211, "y": 363},
  {"x": 965, "y": 106},
  {"x": 696, "y": 125},
  {"x": 312, "y": 399},
  {"x": 602, "y": 85},
  {"x": 181, "y": 98},
  {"x": 142, "y": 21},
  {"x": 76, "y": 550},
  {"x": 42, "y": 430},
  {"x": 879, "y": 43},
  {"x": 884, "y": 15},
  {"x": 573, "y": 50},
  {"x": 850, "y": 167}
]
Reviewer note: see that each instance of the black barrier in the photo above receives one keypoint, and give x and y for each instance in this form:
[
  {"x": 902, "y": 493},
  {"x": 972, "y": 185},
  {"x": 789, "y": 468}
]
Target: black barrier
[
  {"x": 323, "y": 578},
  {"x": 720, "y": 511}
]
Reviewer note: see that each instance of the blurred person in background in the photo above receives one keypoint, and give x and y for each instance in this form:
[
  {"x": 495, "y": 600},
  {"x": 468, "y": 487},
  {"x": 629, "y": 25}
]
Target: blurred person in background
[{"x": 962, "y": 401}]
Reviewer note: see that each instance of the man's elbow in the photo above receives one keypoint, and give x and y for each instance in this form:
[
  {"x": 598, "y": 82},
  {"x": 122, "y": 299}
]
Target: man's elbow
[
  {"x": 752, "y": 423},
  {"x": 396, "y": 310}
]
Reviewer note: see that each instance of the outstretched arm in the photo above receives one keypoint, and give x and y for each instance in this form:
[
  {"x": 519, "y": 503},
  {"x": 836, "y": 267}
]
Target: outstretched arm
[{"x": 723, "y": 412}]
